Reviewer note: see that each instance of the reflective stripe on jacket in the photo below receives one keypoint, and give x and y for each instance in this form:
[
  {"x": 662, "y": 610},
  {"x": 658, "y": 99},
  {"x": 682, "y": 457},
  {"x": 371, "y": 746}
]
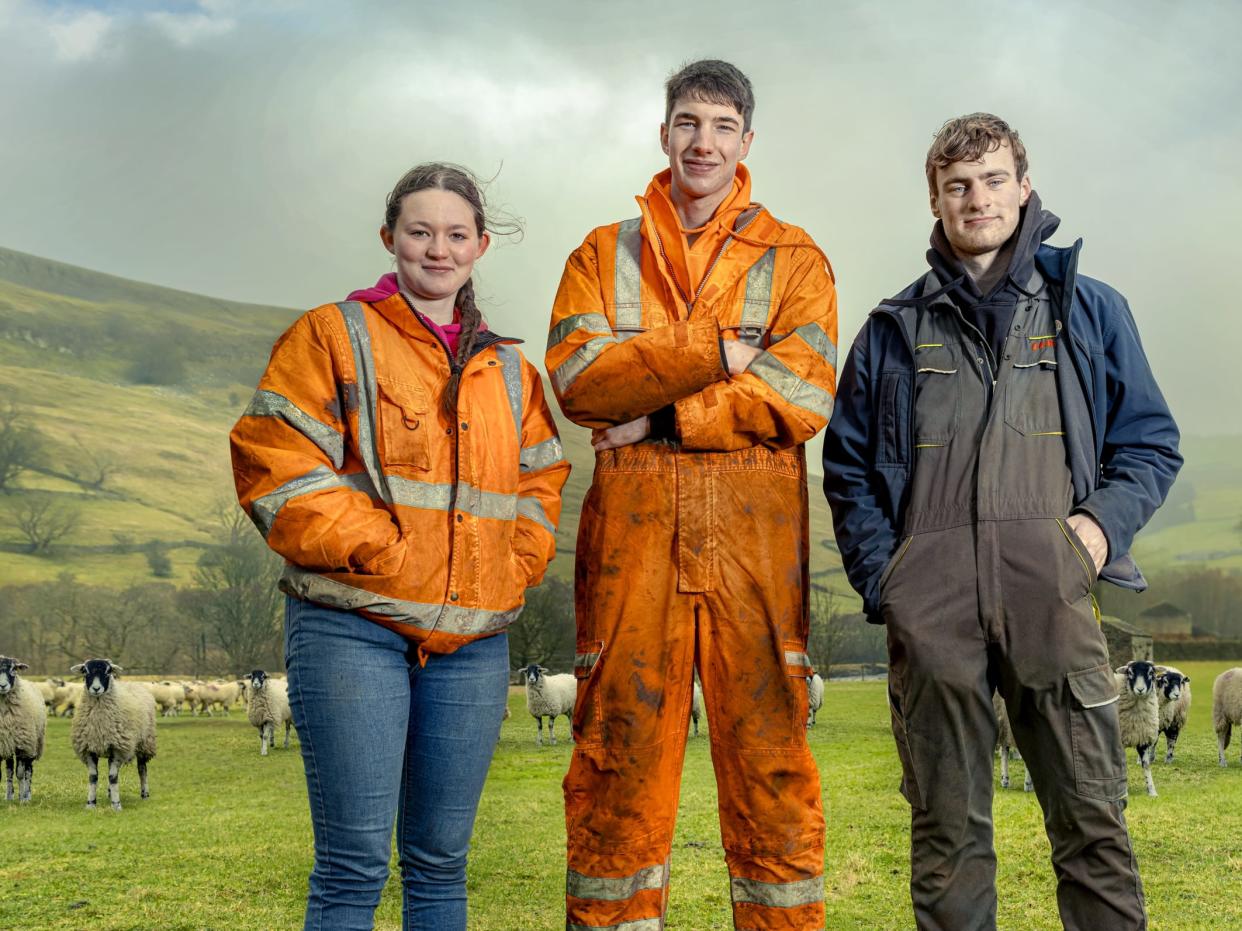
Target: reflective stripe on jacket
[{"x": 348, "y": 467}]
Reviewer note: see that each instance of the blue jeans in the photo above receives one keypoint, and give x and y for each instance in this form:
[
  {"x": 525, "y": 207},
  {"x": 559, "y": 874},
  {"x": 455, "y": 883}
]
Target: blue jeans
[{"x": 386, "y": 740}]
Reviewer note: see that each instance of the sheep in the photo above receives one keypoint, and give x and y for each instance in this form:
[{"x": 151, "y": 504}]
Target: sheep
[
  {"x": 47, "y": 688},
  {"x": 1226, "y": 707},
  {"x": 224, "y": 694},
  {"x": 168, "y": 696},
  {"x": 1173, "y": 691},
  {"x": 814, "y": 696},
  {"x": 67, "y": 697},
  {"x": 23, "y": 723},
  {"x": 269, "y": 706},
  {"x": 114, "y": 719},
  {"x": 696, "y": 706},
  {"x": 1138, "y": 711},
  {"x": 548, "y": 696},
  {"x": 1006, "y": 744}
]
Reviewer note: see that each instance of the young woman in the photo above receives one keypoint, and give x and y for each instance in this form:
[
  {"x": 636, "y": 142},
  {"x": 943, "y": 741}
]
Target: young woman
[{"x": 402, "y": 459}]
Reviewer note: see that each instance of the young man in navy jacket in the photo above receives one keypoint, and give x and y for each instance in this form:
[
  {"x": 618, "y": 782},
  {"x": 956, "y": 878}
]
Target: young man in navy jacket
[{"x": 997, "y": 441}]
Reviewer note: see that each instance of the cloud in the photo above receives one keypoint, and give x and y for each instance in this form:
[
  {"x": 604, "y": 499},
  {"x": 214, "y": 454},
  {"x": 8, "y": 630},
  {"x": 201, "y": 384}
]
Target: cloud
[
  {"x": 209, "y": 21},
  {"x": 79, "y": 35}
]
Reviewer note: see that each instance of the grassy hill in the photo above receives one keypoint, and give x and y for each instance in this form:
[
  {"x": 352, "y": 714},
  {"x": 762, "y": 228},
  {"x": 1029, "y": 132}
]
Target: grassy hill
[{"x": 76, "y": 347}]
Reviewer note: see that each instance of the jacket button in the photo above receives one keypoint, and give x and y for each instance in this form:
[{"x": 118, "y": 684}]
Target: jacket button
[
  {"x": 460, "y": 518},
  {"x": 465, "y": 426},
  {"x": 448, "y": 431},
  {"x": 452, "y": 596}
]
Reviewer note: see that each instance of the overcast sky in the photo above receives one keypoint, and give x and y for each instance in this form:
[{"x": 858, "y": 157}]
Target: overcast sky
[{"x": 244, "y": 149}]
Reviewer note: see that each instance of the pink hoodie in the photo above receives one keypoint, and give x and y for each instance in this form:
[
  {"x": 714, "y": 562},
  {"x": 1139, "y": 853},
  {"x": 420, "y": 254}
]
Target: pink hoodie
[{"x": 387, "y": 286}]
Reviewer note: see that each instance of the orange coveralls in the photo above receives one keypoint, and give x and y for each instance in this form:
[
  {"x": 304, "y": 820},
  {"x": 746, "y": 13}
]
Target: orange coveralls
[{"x": 694, "y": 551}]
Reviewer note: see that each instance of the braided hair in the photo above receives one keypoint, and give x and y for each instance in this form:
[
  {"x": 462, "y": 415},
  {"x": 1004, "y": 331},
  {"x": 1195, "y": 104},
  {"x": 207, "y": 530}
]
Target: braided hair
[{"x": 460, "y": 181}]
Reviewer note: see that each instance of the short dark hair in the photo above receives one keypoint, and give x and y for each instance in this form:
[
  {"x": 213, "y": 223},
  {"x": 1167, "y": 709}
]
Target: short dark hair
[
  {"x": 969, "y": 138},
  {"x": 715, "y": 82}
]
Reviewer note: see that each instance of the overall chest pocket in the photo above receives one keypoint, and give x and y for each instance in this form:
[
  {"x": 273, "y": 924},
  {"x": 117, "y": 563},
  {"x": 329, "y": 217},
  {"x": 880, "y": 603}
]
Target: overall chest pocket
[
  {"x": 405, "y": 422},
  {"x": 937, "y": 394},
  {"x": 1032, "y": 405}
]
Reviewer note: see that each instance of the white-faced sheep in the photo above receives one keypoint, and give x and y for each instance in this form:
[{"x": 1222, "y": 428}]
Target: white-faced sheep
[
  {"x": 47, "y": 689},
  {"x": 696, "y": 706},
  {"x": 23, "y": 722},
  {"x": 814, "y": 696},
  {"x": 1173, "y": 691},
  {"x": 116, "y": 720},
  {"x": 268, "y": 708},
  {"x": 1138, "y": 710},
  {"x": 548, "y": 696},
  {"x": 1226, "y": 707},
  {"x": 67, "y": 697},
  {"x": 1006, "y": 744},
  {"x": 222, "y": 693}
]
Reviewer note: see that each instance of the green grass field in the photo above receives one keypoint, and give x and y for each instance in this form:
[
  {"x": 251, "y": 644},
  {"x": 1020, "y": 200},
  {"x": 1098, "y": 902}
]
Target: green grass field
[{"x": 225, "y": 841}]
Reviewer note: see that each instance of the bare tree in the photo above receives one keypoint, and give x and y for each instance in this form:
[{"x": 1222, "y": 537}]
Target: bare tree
[
  {"x": 43, "y": 520},
  {"x": 92, "y": 468},
  {"x": 544, "y": 633},
  {"x": 236, "y": 595},
  {"x": 830, "y": 627},
  {"x": 21, "y": 445}
]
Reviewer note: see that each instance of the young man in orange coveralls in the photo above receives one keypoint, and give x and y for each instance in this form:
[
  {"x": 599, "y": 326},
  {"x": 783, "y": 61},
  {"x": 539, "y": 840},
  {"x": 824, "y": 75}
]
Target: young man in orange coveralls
[{"x": 698, "y": 340}]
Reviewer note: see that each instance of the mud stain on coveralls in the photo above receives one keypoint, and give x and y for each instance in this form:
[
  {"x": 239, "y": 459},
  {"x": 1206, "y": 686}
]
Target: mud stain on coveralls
[
  {"x": 653, "y": 698},
  {"x": 346, "y": 402}
]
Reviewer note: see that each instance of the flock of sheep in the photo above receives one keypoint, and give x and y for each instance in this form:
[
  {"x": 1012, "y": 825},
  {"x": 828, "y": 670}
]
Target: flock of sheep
[
  {"x": 1151, "y": 701},
  {"x": 115, "y": 720}
]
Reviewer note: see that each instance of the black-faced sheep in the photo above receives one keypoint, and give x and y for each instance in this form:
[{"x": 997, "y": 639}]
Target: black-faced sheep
[
  {"x": 1226, "y": 707},
  {"x": 23, "y": 722},
  {"x": 116, "y": 720},
  {"x": 1173, "y": 691},
  {"x": 1006, "y": 744},
  {"x": 1138, "y": 710},
  {"x": 268, "y": 708},
  {"x": 548, "y": 696},
  {"x": 814, "y": 696}
]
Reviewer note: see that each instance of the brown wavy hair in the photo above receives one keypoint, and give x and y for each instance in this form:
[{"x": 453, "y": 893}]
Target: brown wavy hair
[
  {"x": 445, "y": 176},
  {"x": 969, "y": 138}
]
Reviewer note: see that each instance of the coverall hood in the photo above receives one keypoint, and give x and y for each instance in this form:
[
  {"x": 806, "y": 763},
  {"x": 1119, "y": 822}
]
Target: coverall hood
[{"x": 689, "y": 263}]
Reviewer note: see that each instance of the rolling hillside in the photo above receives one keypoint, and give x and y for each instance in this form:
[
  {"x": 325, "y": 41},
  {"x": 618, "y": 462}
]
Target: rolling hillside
[{"x": 76, "y": 347}]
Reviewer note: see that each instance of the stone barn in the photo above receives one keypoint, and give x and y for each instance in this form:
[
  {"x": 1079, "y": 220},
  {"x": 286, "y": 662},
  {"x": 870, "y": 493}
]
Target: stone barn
[
  {"x": 1125, "y": 642},
  {"x": 1165, "y": 620}
]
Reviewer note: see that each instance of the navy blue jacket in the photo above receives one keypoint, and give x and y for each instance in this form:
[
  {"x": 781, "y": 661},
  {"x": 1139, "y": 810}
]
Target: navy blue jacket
[{"x": 1121, "y": 438}]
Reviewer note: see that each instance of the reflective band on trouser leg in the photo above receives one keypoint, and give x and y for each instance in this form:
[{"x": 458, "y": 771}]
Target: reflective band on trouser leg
[
  {"x": 778, "y": 906},
  {"x": 598, "y": 895}
]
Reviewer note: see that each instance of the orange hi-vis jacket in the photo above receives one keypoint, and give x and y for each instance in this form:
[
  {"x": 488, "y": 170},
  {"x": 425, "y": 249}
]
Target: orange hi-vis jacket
[
  {"x": 379, "y": 504},
  {"x": 693, "y": 552}
]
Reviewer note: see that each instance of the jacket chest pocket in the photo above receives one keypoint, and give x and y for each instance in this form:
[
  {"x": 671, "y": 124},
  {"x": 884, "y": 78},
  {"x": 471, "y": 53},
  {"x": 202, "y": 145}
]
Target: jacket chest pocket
[
  {"x": 1032, "y": 405},
  {"x": 405, "y": 422},
  {"x": 937, "y": 394}
]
